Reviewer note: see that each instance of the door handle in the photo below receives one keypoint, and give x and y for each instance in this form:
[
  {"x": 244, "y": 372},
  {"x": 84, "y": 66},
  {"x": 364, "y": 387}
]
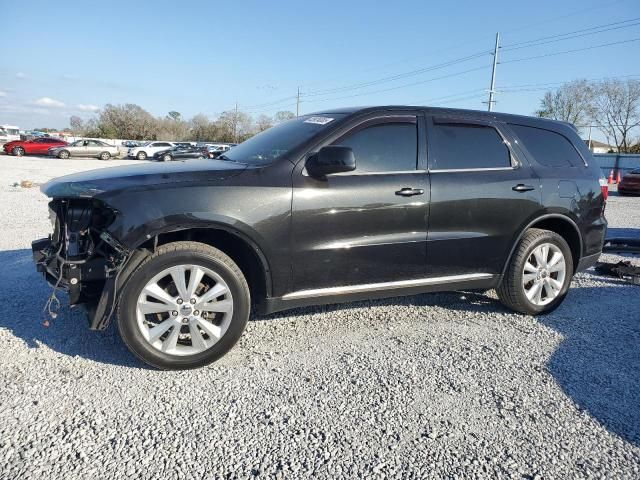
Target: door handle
[
  {"x": 409, "y": 192},
  {"x": 521, "y": 187}
]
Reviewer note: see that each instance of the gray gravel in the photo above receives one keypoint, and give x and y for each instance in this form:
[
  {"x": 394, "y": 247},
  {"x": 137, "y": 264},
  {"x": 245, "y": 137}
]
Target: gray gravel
[{"x": 440, "y": 385}]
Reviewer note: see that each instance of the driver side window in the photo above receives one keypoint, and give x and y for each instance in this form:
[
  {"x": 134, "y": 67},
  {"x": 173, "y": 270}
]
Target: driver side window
[{"x": 383, "y": 147}]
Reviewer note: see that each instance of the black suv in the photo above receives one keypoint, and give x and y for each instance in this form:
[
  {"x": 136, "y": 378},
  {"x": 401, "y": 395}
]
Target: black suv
[{"x": 331, "y": 207}]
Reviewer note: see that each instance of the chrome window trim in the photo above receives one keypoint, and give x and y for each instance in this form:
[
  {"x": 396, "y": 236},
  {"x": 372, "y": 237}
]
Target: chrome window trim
[
  {"x": 372, "y": 287},
  {"x": 360, "y": 174},
  {"x": 488, "y": 169}
]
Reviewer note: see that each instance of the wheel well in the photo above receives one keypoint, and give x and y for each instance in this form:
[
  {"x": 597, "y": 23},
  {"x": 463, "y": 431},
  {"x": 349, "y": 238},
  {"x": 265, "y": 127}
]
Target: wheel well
[
  {"x": 566, "y": 230},
  {"x": 240, "y": 251}
]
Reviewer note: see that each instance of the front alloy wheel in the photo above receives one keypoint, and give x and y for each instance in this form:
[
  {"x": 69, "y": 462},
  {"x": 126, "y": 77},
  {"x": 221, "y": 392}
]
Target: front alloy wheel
[
  {"x": 184, "y": 307},
  {"x": 18, "y": 151}
]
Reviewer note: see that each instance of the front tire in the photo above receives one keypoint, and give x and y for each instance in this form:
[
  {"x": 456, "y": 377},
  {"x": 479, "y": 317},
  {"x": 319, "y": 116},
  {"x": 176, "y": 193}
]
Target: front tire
[
  {"x": 184, "y": 307},
  {"x": 18, "y": 151},
  {"x": 64, "y": 154},
  {"x": 539, "y": 273}
]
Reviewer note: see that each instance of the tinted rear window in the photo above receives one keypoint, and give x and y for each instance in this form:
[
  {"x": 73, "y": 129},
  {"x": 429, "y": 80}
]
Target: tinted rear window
[
  {"x": 548, "y": 148},
  {"x": 463, "y": 146}
]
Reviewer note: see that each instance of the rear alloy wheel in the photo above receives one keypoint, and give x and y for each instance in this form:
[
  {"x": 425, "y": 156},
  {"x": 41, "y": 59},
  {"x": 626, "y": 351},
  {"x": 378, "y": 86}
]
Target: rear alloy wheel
[
  {"x": 184, "y": 307},
  {"x": 539, "y": 273},
  {"x": 18, "y": 151},
  {"x": 141, "y": 156},
  {"x": 64, "y": 154},
  {"x": 105, "y": 156}
]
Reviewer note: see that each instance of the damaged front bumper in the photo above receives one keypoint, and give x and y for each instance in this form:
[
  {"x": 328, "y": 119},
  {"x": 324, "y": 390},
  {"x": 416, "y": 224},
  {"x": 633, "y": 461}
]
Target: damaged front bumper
[{"x": 81, "y": 259}]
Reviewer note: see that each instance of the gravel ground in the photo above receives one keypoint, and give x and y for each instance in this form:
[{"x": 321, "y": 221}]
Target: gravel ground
[{"x": 439, "y": 385}]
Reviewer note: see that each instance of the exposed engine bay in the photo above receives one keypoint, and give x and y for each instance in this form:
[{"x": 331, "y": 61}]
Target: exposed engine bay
[{"x": 80, "y": 256}]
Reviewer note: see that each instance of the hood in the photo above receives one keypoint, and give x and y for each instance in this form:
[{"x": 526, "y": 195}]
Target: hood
[{"x": 94, "y": 183}]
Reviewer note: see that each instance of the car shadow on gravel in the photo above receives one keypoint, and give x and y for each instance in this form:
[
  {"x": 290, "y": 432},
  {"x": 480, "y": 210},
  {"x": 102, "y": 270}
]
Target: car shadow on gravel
[
  {"x": 24, "y": 292},
  {"x": 598, "y": 362}
]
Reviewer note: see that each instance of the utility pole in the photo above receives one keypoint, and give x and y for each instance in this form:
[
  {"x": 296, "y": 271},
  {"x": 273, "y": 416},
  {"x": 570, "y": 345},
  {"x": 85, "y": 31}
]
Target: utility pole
[
  {"x": 492, "y": 91},
  {"x": 235, "y": 124},
  {"x": 298, "y": 103}
]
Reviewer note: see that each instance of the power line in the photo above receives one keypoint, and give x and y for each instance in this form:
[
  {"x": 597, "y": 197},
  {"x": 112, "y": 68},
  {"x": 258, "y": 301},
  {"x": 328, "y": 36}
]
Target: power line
[
  {"x": 570, "y": 51},
  {"x": 525, "y": 44},
  {"x": 484, "y": 67},
  {"x": 411, "y": 73},
  {"x": 309, "y": 96}
]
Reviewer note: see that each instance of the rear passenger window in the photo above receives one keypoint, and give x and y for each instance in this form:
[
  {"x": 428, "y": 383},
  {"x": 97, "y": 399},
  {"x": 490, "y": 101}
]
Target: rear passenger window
[
  {"x": 384, "y": 148},
  {"x": 462, "y": 146},
  {"x": 548, "y": 148}
]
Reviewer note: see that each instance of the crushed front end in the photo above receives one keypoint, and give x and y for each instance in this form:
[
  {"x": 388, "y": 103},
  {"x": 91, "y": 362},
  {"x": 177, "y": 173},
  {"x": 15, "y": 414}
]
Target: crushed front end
[{"x": 80, "y": 256}]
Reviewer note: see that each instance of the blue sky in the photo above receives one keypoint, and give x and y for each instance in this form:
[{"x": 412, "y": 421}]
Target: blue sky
[{"x": 70, "y": 58}]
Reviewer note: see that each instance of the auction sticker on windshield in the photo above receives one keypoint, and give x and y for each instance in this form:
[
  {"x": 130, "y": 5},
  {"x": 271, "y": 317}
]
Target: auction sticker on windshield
[{"x": 318, "y": 120}]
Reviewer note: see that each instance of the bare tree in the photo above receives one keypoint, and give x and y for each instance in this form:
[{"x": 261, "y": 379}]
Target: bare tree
[
  {"x": 128, "y": 121},
  {"x": 234, "y": 126},
  {"x": 618, "y": 110},
  {"x": 283, "y": 116},
  {"x": 202, "y": 129},
  {"x": 573, "y": 102},
  {"x": 263, "y": 122},
  {"x": 77, "y": 125}
]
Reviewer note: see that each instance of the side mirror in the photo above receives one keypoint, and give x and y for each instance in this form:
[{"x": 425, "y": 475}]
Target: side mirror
[{"x": 331, "y": 159}]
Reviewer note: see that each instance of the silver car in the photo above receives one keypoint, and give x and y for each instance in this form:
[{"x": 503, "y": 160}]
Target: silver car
[{"x": 86, "y": 148}]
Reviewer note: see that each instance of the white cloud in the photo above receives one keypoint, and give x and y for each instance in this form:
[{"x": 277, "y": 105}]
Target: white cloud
[
  {"x": 87, "y": 107},
  {"x": 21, "y": 75},
  {"x": 49, "y": 102}
]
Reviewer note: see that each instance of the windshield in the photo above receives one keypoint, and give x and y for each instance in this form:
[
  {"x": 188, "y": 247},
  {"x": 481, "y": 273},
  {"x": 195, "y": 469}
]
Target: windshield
[{"x": 270, "y": 145}]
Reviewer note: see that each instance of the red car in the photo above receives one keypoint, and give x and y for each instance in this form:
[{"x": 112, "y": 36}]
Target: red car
[
  {"x": 39, "y": 145},
  {"x": 630, "y": 183}
]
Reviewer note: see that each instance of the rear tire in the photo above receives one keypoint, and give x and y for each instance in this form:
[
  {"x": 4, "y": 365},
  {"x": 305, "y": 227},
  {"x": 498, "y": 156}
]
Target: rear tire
[
  {"x": 539, "y": 273},
  {"x": 167, "y": 158},
  {"x": 215, "y": 334},
  {"x": 105, "y": 156},
  {"x": 141, "y": 156}
]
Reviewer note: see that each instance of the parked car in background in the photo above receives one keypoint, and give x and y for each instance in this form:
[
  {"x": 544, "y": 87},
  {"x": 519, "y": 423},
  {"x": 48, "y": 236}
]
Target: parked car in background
[
  {"x": 630, "y": 183},
  {"x": 35, "y": 146},
  {"x": 331, "y": 207},
  {"x": 149, "y": 149},
  {"x": 131, "y": 144},
  {"x": 180, "y": 152},
  {"x": 86, "y": 148},
  {"x": 215, "y": 150},
  {"x": 9, "y": 133}
]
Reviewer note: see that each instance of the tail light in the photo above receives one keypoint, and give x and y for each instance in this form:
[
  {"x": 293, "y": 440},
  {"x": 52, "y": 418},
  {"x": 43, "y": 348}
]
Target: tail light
[{"x": 604, "y": 187}]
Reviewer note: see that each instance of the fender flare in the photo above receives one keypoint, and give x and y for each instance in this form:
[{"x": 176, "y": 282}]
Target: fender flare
[
  {"x": 533, "y": 222},
  {"x": 255, "y": 246}
]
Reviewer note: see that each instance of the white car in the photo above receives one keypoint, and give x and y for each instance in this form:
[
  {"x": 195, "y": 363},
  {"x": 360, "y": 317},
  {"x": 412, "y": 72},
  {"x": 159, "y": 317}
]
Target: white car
[{"x": 149, "y": 149}]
